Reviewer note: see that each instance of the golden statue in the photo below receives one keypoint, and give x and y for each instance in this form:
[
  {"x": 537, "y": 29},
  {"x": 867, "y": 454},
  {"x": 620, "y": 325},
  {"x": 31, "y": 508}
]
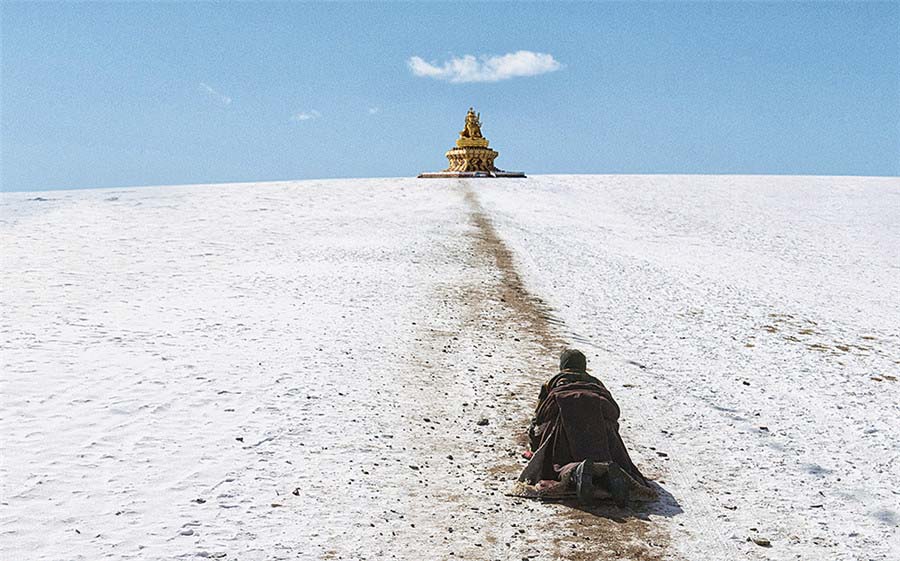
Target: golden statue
[
  {"x": 471, "y": 135},
  {"x": 473, "y": 125},
  {"x": 472, "y": 157}
]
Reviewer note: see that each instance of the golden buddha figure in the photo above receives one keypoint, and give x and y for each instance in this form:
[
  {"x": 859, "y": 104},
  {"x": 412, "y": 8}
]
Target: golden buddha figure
[
  {"x": 473, "y": 125},
  {"x": 471, "y": 135}
]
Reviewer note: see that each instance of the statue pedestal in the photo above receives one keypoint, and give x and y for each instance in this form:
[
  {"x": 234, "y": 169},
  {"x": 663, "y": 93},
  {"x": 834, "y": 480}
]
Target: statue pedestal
[{"x": 471, "y": 159}]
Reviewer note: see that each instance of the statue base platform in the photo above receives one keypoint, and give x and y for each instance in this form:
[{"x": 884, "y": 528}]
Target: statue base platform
[
  {"x": 467, "y": 174},
  {"x": 471, "y": 143},
  {"x": 471, "y": 158}
]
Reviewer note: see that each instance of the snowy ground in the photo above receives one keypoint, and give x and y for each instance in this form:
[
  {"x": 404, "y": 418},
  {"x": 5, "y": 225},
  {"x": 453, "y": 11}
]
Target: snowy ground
[
  {"x": 750, "y": 327},
  {"x": 302, "y": 370}
]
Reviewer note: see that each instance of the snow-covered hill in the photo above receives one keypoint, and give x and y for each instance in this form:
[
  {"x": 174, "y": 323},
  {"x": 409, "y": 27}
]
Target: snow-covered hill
[{"x": 305, "y": 369}]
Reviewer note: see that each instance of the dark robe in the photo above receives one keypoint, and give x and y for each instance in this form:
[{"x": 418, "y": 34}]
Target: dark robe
[{"x": 576, "y": 419}]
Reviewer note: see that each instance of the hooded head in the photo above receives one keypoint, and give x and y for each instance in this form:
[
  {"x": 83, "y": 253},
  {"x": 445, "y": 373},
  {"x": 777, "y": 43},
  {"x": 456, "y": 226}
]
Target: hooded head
[{"x": 572, "y": 359}]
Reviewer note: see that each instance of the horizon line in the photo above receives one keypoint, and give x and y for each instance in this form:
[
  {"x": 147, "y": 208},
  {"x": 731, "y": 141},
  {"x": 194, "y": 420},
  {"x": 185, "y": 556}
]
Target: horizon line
[{"x": 270, "y": 181}]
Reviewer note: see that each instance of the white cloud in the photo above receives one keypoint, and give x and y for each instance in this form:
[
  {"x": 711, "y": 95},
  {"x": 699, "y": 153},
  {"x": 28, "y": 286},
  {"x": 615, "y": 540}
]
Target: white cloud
[
  {"x": 306, "y": 115},
  {"x": 374, "y": 110},
  {"x": 486, "y": 68},
  {"x": 219, "y": 98}
]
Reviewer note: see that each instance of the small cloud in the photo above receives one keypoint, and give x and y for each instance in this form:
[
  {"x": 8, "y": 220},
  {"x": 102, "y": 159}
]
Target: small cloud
[
  {"x": 485, "y": 68},
  {"x": 220, "y": 99},
  {"x": 374, "y": 110},
  {"x": 306, "y": 115}
]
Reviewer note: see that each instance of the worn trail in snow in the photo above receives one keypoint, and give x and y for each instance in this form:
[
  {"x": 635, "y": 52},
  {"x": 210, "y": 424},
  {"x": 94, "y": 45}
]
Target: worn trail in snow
[{"x": 605, "y": 531}]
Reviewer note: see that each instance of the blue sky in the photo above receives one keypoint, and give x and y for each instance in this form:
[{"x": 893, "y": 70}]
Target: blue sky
[{"x": 98, "y": 95}]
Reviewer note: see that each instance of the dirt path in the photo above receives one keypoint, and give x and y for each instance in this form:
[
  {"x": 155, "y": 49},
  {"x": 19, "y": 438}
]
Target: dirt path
[{"x": 604, "y": 532}]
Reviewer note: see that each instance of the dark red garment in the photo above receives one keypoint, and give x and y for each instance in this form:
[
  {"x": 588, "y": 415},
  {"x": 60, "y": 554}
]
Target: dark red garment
[{"x": 576, "y": 420}]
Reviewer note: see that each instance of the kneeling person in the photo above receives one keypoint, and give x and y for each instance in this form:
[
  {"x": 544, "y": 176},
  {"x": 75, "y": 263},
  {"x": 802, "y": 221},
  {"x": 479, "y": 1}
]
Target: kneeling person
[{"x": 575, "y": 440}]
